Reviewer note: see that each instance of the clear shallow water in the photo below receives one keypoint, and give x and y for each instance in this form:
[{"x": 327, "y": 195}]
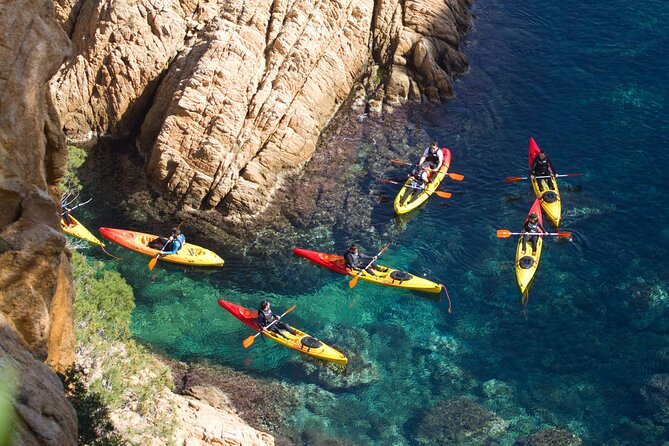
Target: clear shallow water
[{"x": 589, "y": 81}]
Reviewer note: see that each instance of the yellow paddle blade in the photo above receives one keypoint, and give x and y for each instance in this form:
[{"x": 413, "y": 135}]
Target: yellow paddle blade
[
  {"x": 503, "y": 233},
  {"x": 456, "y": 176},
  {"x": 443, "y": 194},
  {"x": 153, "y": 262}
]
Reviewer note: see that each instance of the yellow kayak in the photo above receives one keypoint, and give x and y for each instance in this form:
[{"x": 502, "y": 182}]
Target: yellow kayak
[
  {"x": 550, "y": 198},
  {"x": 386, "y": 276},
  {"x": 526, "y": 262},
  {"x": 137, "y": 241},
  {"x": 79, "y": 231},
  {"x": 408, "y": 198},
  {"x": 301, "y": 341}
]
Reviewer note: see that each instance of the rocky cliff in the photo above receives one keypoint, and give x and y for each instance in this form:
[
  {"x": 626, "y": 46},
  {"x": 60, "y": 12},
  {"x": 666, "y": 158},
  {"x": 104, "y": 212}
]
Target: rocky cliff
[
  {"x": 228, "y": 97},
  {"x": 35, "y": 279}
]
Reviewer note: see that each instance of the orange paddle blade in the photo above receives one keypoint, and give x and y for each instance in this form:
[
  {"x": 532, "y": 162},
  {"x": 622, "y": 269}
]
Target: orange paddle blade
[
  {"x": 443, "y": 194},
  {"x": 512, "y": 179},
  {"x": 249, "y": 341},
  {"x": 564, "y": 234},
  {"x": 456, "y": 176},
  {"x": 503, "y": 233},
  {"x": 153, "y": 262},
  {"x": 354, "y": 281}
]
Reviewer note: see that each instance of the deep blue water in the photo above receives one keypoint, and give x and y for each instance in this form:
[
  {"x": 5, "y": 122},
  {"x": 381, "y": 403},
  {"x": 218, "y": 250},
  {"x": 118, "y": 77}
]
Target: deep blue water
[{"x": 589, "y": 81}]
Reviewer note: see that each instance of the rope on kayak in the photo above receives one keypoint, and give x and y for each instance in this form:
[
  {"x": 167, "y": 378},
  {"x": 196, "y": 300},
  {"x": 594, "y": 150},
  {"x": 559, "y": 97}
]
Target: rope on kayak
[
  {"x": 447, "y": 296},
  {"x": 110, "y": 255}
]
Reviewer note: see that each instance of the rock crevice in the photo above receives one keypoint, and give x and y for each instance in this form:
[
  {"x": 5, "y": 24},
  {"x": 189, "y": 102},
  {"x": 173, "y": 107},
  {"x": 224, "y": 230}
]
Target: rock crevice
[{"x": 231, "y": 96}]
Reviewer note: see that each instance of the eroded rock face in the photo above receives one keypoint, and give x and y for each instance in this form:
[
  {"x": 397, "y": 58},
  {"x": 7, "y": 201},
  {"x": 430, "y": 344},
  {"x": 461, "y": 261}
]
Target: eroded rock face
[
  {"x": 35, "y": 284},
  {"x": 43, "y": 415},
  {"x": 232, "y": 95},
  {"x": 35, "y": 281}
]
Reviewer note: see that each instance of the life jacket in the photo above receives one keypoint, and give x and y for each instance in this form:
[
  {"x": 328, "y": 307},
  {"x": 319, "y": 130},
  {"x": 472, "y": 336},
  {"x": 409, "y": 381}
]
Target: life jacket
[
  {"x": 432, "y": 157},
  {"x": 181, "y": 239},
  {"x": 351, "y": 260},
  {"x": 265, "y": 317},
  {"x": 541, "y": 167},
  {"x": 531, "y": 226}
]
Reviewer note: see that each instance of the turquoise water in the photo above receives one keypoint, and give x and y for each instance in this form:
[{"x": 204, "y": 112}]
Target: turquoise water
[{"x": 589, "y": 81}]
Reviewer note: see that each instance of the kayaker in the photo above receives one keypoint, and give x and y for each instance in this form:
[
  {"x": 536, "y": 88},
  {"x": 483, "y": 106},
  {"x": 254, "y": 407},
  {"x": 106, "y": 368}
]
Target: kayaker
[
  {"x": 265, "y": 317},
  {"x": 432, "y": 156},
  {"x": 420, "y": 178},
  {"x": 65, "y": 213},
  {"x": 169, "y": 245},
  {"x": 542, "y": 167},
  {"x": 353, "y": 260},
  {"x": 532, "y": 225}
]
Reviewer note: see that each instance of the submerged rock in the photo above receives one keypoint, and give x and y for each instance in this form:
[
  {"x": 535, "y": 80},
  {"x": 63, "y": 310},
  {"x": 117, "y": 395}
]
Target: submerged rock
[
  {"x": 550, "y": 437},
  {"x": 460, "y": 421},
  {"x": 656, "y": 394}
]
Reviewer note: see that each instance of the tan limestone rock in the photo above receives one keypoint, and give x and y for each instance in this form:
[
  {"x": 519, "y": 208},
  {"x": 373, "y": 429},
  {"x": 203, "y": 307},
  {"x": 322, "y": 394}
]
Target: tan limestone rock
[
  {"x": 121, "y": 50},
  {"x": 35, "y": 283}
]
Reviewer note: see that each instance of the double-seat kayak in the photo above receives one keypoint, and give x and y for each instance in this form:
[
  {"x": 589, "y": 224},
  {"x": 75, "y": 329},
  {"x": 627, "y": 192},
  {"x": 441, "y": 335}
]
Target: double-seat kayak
[
  {"x": 550, "y": 197},
  {"x": 527, "y": 261},
  {"x": 384, "y": 276},
  {"x": 76, "y": 229},
  {"x": 138, "y": 242},
  {"x": 409, "y": 198},
  {"x": 300, "y": 341}
]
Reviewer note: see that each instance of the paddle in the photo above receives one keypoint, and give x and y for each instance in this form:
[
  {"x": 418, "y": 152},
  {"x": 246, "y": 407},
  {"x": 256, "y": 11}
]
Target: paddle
[
  {"x": 251, "y": 339},
  {"x": 154, "y": 260},
  {"x": 440, "y": 193},
  {"x": 79, "y": 205},
  {"x": 354, "y": 280},
  {"x": 512, "y": 179},
  {"x": 454, "y": 176},
  {"x": 505, "y": 233}
]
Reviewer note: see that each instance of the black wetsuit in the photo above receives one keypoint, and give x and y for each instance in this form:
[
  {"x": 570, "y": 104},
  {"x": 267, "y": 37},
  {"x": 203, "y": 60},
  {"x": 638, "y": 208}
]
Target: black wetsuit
[
  {"x": 542, "y": 168},
  {"x": 65, "y": 213},
  {"x": 432, "y": 159},
  {"x": 265, "y": 317},
  {"x": 353, "y": 261},
  {"x": 531, "y": 226}
]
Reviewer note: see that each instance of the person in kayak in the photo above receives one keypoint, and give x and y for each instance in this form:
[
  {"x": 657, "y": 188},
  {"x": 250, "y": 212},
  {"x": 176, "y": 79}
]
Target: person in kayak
[
  {"x": 532, "y": 225},
  {"x": 265, "y": 318},
  {"x": 432, "y": 157},
  {"x": 542, "y": 167},
  {"x": 170, "y": 245},
  {"x": 65, "y": 213},
  {"x": 353, "y": 260}
]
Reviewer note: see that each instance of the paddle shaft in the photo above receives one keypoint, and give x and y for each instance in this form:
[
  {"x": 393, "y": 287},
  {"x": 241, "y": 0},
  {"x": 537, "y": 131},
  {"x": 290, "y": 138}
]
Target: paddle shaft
[
  {"x": 248, "y": 341},
  {"x": 79, "y": 205},
  {"x": 445, "y": 194},
  {"x": 544, "y": 176},
  {"x": 354, "y": 280}
]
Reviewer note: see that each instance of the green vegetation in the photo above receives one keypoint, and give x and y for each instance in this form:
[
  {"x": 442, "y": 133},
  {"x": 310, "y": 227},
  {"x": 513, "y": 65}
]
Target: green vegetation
[
  {"x": 75, "y": 159},
  {"x": 113, "y": 370},
  {"x": 7, "y": 389}
]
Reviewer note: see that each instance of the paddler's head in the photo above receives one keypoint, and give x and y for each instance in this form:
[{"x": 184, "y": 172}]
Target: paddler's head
[
  {"x": 542, "y": 154},
  {"x": 176, "y": 231},
  {"x": 353, "y": 248},
  {"x": 534, "y": 217},
  {"x": 433, "y": 146},
  {"x": 264, "y": 305}
]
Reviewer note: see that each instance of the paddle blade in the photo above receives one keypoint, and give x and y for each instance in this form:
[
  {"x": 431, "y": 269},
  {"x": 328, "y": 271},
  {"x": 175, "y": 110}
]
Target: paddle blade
[
  {"x": 513, "y": 179},
  {"x": 401, "y": 162},
  {"x": 503, "y": 233},
  {"x": 153, "y": 262},
  {"x": 249, "y": 341},
  {"x": 571, "y": 175},
  {"x": 443, "y": 194},
  {"x": 353, "y": 281},
  {"x": 456, "y": 176},
  {"x": 289, "y": 310},
  {"x": 564, "y": 234}
]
